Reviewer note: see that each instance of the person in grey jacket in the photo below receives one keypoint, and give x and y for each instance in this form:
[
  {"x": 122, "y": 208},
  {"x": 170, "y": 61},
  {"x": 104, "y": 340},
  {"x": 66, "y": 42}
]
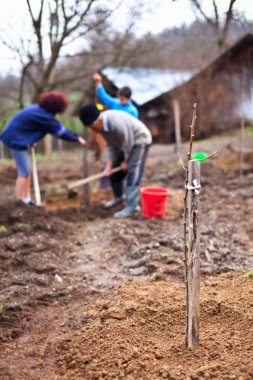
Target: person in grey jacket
[{"x": 128, "y": 141}]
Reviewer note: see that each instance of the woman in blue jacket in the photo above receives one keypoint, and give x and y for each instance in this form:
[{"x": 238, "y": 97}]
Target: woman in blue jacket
[{"x": 29, "y": 126}]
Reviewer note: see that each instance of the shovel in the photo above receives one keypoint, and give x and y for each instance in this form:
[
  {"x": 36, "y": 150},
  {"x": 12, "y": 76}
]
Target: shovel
[
  {"x": 36, "y": 185},
  {"x": 83, "y": 181}
]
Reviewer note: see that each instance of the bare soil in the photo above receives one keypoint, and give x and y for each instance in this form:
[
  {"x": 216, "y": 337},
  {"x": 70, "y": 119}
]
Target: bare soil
[{"x": 87, "y": 296}]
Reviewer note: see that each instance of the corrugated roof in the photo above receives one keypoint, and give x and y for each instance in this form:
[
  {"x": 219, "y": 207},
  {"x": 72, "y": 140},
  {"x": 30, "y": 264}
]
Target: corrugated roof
[{"x": 146, "y": 83}]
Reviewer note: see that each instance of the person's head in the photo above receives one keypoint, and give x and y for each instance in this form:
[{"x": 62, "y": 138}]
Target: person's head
[
  {"x": 90, "y": 117},
  {"x": 124, "y": 94},
  {"x": 53, "y": 102}
]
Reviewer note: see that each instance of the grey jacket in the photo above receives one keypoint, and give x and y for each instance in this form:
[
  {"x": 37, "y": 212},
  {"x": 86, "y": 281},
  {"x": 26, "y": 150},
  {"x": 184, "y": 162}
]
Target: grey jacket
[{"x": 122, "y": 131}]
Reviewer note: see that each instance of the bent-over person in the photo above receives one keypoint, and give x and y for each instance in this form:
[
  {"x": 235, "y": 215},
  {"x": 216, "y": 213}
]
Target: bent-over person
[
  {"x": 128, "y": 141},
  {"x": 30, "y": 125}
]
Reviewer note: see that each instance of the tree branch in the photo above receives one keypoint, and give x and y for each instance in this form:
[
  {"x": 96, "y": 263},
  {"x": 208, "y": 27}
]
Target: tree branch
[
  {"x": 229, "y": 17},
  {"x": 21, "y": 85},
  {"x": 37, "y": 26}
]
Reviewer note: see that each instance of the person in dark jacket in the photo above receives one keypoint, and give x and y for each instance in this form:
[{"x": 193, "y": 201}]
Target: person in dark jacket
[{"x": 29, "y": 126}]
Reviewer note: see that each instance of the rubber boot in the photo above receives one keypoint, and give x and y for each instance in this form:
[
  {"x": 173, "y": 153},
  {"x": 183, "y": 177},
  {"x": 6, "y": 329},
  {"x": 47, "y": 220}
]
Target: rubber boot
[
  {"x": 117, "y": 188},
  {"x": 112, "y": 202},
  {"x": 132, "y": 200}
]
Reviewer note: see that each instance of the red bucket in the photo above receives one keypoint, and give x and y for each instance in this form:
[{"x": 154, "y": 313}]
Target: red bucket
[{"x": 154, "y": 201}]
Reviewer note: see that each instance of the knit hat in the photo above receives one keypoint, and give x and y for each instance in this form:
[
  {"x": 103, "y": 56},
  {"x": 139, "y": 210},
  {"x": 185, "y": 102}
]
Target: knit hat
[{"x": 88, "y": 114}]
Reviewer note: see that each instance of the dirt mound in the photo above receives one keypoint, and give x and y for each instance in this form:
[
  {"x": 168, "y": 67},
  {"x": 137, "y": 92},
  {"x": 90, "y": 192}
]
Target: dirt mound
[
  {"x": 71, "y": 206},
  {"x": 231, "y": 160},
  {"x": 138, "y": 333},
  {"x": 88, "y": 296},
  {"x": 16, "y": 217},
  {"x": 8, "y": 175}
]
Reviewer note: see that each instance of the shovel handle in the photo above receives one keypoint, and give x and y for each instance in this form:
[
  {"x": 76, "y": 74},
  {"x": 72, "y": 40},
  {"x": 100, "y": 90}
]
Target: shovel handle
[
  {"x": 91, "y": 178},
  {"x": 35, "y": 179}
]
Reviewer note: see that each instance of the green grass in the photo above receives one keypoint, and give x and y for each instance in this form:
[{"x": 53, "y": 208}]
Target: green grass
[
  {"x": 249, "y": 274},
  {"x": 53, "y": 157},
  {"x": 75, "y": 96},
  {"x": 218, "y": 136},
  {"x": 249, "y": 130},
  {"x": 3, "y": 229},
  {"x": 22, "y": 226},
  {"x": 4, "y": 119},
  {"x": 3, "y": 277}
]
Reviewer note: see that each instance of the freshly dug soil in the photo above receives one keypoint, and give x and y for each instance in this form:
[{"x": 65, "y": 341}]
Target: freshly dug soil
[{"x": 86, "y": 296}]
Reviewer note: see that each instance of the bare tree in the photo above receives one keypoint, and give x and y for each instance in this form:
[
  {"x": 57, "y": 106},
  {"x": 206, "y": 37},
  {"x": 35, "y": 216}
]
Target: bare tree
[
  {"x": 8, "y": 97},
  {"x": 69, "y": 40},
  {"x": 57, "y": 25},
  {"x": 220, "y": 24},
  {"x": 66, "y": 25}
]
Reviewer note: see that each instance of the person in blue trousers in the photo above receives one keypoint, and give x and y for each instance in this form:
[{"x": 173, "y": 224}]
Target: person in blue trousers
[
  {"x": 128, "y": 141},
  {"x": 30, "y": 125},
  {"x": 121, "y": 103}
]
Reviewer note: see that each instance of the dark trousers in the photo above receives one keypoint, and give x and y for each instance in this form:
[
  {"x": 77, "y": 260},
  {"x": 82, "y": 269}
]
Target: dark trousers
[{"x": 135, "y": 170}]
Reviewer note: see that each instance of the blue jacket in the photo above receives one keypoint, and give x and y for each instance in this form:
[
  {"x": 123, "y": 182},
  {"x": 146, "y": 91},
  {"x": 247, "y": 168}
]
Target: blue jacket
[
  {"x": 30, "y": 125},
  {"x": 114, "y": 103}
]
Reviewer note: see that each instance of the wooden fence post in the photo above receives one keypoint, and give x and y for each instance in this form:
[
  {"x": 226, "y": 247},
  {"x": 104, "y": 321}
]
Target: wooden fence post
[
  {"x": 2, "y": 155},
  {"x": 86, "y": 187},
  {"x": 60, "y": 146},
  {"x": 193, "y": 266},
  {"x": 48, "y": 146},
  {"x": 176, "y": 111},
  {"x": 241, "y": 145}
]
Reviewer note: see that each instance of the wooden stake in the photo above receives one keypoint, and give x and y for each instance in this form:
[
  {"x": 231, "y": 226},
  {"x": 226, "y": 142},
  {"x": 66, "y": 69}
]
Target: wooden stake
[
  {"x": 176, "y": 111},
  {"x": 86, "y": 187},
  {"x": 192, "y": 128},
  {"x": 193, "y": 253},
  {"x": 48, "y": 146},
  {"x": 241, "y": 146},
  {"x": 2, "y": 156},
  {"x": 36, "y": 185},
  {"x": 60, "y": 146}
]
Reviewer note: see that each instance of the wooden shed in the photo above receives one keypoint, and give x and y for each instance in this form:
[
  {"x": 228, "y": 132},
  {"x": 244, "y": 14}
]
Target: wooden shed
[
  {"x": 147, "y": 85},
  {"x": 223, "y": 91}
]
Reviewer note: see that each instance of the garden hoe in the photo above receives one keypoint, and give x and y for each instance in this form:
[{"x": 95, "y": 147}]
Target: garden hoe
[
  {"x": 36, "y": 185},
  {"x": 83, "y": 181}
]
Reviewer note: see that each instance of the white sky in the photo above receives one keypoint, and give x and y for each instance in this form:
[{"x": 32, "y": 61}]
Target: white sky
[
  {"x": 170, "y": 14},
  {"x": 165, "y": 14}
]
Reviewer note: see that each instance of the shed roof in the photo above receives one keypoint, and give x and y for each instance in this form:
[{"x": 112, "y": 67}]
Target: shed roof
[
  {"x": 225, "y": 55},
  {"x": 232, "y": 50},
  {"x": 146, "y": 83}
]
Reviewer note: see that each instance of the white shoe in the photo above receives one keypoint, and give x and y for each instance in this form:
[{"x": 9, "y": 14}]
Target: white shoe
[{"x": 137, "y": 208}]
